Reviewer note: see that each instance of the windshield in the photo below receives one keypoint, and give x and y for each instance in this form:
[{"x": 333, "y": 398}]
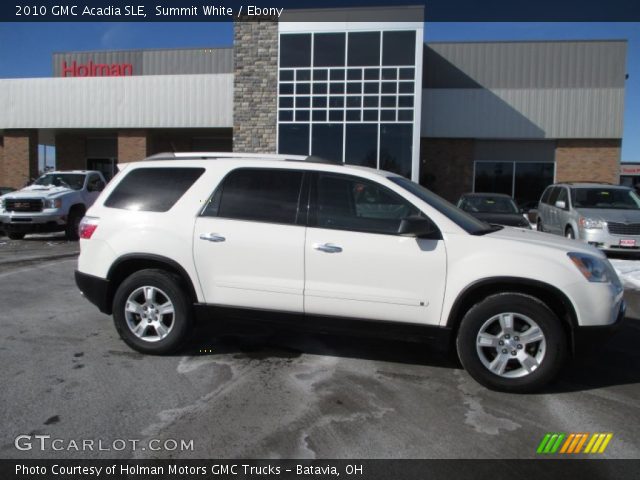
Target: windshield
[
  {"x": 488, "y": 204},
  {"x": 465, "y": 221},
  {"x": 74, "y": 181},
  {"x": 610, "y": 198}
]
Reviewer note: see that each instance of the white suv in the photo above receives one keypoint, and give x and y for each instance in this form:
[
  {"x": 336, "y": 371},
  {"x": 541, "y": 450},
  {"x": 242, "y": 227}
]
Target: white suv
[{"x": 336, "y": 248}]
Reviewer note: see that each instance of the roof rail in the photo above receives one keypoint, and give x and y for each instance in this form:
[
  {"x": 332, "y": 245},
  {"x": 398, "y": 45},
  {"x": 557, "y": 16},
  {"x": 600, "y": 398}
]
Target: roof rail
[
  {"x": 586, "y": 181},
  {"x": 265, "y": 156}
]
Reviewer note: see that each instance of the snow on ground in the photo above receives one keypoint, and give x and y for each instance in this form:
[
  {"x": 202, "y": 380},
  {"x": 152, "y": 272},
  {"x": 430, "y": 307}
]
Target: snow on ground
[{"x": 628, "y": 271}]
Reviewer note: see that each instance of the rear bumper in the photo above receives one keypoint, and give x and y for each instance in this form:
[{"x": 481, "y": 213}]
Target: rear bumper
[
  {"x": 94, "y": 289},
  {"x": 588, "y": 338}
]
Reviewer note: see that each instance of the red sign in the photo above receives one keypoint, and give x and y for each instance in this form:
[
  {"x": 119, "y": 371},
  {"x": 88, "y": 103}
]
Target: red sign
[{"x": 91, "y": 69}]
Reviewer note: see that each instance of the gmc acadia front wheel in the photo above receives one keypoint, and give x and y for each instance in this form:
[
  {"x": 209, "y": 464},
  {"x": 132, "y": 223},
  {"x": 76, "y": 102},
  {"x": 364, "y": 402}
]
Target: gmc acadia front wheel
[
  {"x": 511, "y": 342},
  {"x": 151, "y": 312}
]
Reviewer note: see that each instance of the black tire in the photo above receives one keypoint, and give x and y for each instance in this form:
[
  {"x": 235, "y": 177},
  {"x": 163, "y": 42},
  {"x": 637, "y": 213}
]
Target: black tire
[
  {"x": 73, "y": 223},
  {"x": 539, "y": 226},
  {"x": 569, "y": 233},
  {"x": 16, "y": 235},
  {"x": 182, "y": 318},
  {"x": 520, "y": 304}
]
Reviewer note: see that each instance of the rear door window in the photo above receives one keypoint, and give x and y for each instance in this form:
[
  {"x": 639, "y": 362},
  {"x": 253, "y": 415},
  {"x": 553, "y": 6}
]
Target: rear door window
[
  {"x": 152, "y": 189},
  {"x": 260, "y": 195}
]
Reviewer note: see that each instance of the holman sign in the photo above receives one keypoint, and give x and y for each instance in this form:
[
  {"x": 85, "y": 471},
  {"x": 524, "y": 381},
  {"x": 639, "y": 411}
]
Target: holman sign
[{"x": 91, "y": 69}]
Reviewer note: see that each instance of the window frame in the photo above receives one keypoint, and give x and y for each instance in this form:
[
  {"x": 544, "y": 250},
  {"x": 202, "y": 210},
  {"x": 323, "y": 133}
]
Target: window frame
[{"x": 302, "y": 209}]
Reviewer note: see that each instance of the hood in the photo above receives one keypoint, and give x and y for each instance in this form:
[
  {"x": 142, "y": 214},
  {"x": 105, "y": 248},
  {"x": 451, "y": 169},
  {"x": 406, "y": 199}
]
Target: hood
[
  {"x": 38, "y": 191},
  {"x": 548, "y": 240},
  {"x": 509, "y": 219},
  {"x": 611, "y": 215}
]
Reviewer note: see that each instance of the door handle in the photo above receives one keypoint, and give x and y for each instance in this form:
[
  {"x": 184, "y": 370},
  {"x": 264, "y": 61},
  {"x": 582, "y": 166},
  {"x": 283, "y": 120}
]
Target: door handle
[
  {"x": 212, "y": 237},
  {"x": 327, "y": 247}
]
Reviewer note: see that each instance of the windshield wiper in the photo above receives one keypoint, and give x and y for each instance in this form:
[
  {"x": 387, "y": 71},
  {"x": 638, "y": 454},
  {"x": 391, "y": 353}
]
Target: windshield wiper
[{"x": 491, "y": 229}]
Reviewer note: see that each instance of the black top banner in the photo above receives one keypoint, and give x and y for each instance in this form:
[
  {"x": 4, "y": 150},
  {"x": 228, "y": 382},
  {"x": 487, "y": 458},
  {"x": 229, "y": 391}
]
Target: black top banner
[{"x": 256, "y": 10}]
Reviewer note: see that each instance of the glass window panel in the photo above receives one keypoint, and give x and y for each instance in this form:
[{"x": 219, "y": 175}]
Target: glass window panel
[
  {"x": 370, "y": 115},
  {"x": 370, "y": 101},
  {"x": 405, "y": 115},
  {"x": 286, "y": 102},
  {"x": 261, "y": 195},
  {"x": 302, "y": 115},
  {"x": 353, "y": 115},
  {"x": 303, "y": 102},
  {"x": 320, "y": 74},
  {"x": 303, "y": 75},
  {"x": 295, "y": 50},
  {"x": 494, "y": 177},
  {"x": 389, "y": 87},
  {"x": 320, "y": 88},
  {"x": 293, "y": 139},
  {"x": 286, "y": 116},
  {"x": 354, "y": 87},
  {"x": 389, "y": 74},
  {"x": 361, "y": 145},
  {"x": 303, "y": 88},
  {"x": 354, "y": 74},
  {"x": 354, "y": 101},
  {"x": 326, "y": 141},
  {"x": 286, "y": 75},
  {"x": 320, "y": 102},
  {"x": 388, "y": 115},
  {"x": 531, "y": 180},
  {"x": 364, "y": 49},
  {"x": 407, "y": 73},
  {"x": 371, "y": 73},
  {"x": 405, "y": 101},
  {"x": 336, "y": 115},
  {"x": 336, "y": 88},
  {"x": 405, "y": 87},
  {"x": 286, "y": 88},
  {"x": 319, "y": 115},
  {"x": 337, "y": 74},
  {"x": 388, "y": 101},
  {"x": 336, "y": 102},
  {"x": 371, "y": 87},
  {"x": 396, "y": 141},
  {"x": 399, "y": 48},
  {"x": 328, "y": 49}
]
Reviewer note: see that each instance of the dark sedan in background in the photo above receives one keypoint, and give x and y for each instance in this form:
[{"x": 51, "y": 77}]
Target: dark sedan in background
[{"x": 495, "y": 208}]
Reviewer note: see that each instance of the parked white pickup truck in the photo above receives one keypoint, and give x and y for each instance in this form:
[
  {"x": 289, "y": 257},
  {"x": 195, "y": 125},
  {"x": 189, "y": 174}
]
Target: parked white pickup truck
[{"x": 55, "y": 202}]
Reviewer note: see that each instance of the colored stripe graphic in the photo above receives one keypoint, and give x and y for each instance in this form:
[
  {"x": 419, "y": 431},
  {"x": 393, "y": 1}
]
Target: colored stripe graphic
[{"x": 573, "y": 443}]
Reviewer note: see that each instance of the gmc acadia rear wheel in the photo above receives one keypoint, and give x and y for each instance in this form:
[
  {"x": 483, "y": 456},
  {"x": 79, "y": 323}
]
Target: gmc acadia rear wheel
[
  {"x": 511, "y": 342},
  {"x": 152, "y": 313}
]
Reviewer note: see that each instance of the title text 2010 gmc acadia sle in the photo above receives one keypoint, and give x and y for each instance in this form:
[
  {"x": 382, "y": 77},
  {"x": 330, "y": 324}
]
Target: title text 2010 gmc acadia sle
[{"x": 336, "y": 248}]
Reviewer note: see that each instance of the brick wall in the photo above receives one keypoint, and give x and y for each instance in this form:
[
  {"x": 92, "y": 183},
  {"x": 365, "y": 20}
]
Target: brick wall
[
  {"x": 71, "y": 152},
  {"x": 20, "y": 157},
  {"x": 255, "y": 57},
  {"x": 588, "y": 160},
  {"x": 446, "y": 166},
  {"x": 132, "y": 145}
]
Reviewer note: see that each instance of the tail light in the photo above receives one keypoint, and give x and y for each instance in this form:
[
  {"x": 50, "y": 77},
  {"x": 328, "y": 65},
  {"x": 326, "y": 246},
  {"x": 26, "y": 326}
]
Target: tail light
[{"x": 87, "y": 226}]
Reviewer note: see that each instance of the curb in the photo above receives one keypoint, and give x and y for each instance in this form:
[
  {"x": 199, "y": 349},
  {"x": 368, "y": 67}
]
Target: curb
[{"x": 31, "y": 260}]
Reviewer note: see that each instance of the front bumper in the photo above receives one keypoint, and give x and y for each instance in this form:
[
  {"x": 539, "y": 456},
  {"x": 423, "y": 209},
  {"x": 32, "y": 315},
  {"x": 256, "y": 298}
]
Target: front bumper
[
  {"x": 588, "y": 338},
  {"x": 94, "y": 289},
  {"x": 32, "y": 222},
  {"x": 602, "y": 239}
]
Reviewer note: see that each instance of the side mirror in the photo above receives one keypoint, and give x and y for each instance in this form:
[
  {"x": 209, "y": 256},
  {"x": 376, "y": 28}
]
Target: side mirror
[
  {"x": 417, "y": 226},
  {"x": 561, "y": 204}
]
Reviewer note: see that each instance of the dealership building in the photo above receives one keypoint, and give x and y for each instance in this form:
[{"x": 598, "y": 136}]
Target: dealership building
[{"x": 507, "y": 117}]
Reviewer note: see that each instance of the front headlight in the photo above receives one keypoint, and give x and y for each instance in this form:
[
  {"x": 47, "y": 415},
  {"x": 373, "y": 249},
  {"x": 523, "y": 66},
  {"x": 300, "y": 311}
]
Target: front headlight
[
  {"x": 593, "y": 268},
  {"x": 53, "y": 203},
  {"x": 1, "y": 204},
  {"x": 590, "y": 223}
]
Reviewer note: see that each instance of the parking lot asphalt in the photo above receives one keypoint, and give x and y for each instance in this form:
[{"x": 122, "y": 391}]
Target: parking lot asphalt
[{"x": 269, "y": 394}]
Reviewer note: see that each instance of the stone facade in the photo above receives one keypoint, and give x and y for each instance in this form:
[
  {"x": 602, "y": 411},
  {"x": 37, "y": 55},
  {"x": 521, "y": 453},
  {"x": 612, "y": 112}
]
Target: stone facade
[
  {"x": 71, "y": 152},
  {"x": 446, "y": 166},
  {"x": 20, "y": 163},
  {"x": 132, "y": 145},
  {"x": 588, "y": 160},
  {"x": 255, "y": 86}
]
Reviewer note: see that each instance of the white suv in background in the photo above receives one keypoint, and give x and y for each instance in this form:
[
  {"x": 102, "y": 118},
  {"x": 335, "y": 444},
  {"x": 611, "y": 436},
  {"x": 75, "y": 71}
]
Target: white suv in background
[{"x": 336, "y": 248}]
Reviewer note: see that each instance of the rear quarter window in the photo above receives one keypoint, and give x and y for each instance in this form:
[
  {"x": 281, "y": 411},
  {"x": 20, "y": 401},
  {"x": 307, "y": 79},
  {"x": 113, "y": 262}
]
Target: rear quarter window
[{"x": 152, "y": 189}]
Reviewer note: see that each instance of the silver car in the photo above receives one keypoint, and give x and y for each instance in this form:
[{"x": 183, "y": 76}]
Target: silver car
[{"x": 606, "y": 216}]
